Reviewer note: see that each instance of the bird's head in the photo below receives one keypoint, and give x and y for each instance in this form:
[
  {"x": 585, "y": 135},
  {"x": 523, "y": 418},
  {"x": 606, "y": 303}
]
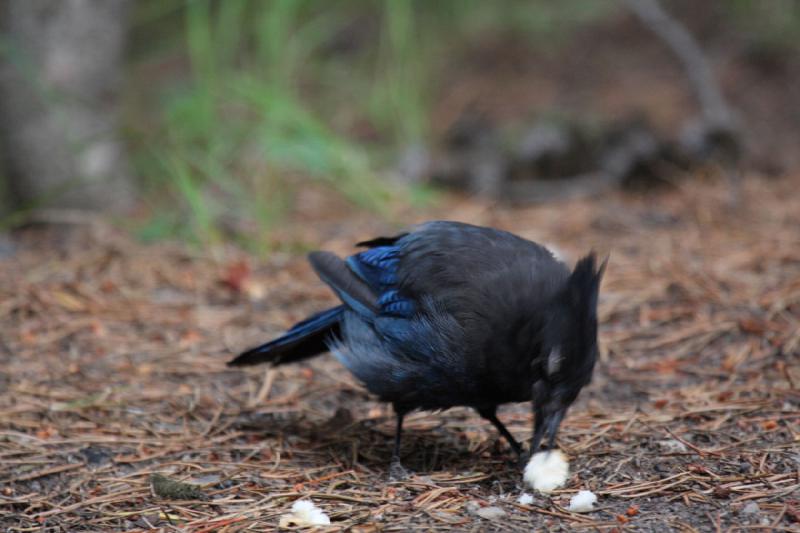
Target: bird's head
[{"x": 570, "y": 349}]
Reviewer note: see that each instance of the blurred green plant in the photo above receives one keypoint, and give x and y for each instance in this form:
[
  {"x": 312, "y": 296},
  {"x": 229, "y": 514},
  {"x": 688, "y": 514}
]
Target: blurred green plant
[
  {"x": 772, "y": 24},
  {"x": 238, "y": 104},
  {"x": 233, "y": 136},
  {"x": 282, "y": 93}
]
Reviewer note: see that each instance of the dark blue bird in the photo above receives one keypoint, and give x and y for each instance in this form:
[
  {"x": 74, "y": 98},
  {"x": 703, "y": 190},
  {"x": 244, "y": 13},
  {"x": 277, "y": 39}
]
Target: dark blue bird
[{"x": 453, "y": 314}]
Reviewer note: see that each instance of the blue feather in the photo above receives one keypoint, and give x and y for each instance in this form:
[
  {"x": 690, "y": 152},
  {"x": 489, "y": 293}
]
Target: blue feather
[
  {"x": 377, "y": 267},
  {"x": 393, "y": 304}
]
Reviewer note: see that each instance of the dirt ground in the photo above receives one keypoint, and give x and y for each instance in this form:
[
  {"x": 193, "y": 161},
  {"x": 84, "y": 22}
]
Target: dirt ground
[{"x": 112, "y": 368}]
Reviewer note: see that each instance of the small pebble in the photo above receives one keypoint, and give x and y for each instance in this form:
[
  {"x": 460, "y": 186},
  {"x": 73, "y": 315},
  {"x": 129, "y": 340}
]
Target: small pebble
[
  {"x": 491, "y": 513},
  {"x": 751, "y": 508},
  {"x": 672, "y": 446},
  {"x": 208, "y": 479},
  {"x": 472, "y": 507}
]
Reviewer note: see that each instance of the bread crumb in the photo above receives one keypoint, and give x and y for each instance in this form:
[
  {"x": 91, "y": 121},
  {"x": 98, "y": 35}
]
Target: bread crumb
[
  {"x": 583, "y": 502},
  {"x": 304, "y": 513},
  {"x": 546, "y": 471}
]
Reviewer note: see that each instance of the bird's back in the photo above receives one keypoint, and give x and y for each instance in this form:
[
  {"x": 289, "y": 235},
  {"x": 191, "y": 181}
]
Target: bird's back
[
  {"x": 476, "y": 298},
  {"x": 443, "y": 255}
]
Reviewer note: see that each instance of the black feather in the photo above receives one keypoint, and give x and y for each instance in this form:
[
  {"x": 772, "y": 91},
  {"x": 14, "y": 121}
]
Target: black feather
[
  {"x": 305, "y": 339},
  {"x": 381, "y": 241},
  {"x": 352, "y": 290}
]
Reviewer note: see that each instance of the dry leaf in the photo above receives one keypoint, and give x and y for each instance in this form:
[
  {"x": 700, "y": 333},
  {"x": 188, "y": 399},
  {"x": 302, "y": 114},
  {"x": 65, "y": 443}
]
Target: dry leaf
[{"x": 235, "y": 274}]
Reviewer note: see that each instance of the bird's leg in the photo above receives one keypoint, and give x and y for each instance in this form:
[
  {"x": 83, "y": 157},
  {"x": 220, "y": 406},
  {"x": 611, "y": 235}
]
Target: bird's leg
[
  {"x": 538, "y": 429},
  {"x": 398, "y": 434},
  {"x": 490, "y": 414},
  {"x": 396, "y": 470}
]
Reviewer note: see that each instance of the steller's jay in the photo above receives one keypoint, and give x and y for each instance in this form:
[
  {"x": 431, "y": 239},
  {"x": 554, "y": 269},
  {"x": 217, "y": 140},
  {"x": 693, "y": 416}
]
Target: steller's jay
[{"x": 452, "y": 314}]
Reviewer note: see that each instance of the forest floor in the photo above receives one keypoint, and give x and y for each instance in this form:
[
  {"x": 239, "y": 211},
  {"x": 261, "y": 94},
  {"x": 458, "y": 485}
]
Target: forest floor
[
  {"x": 112, "y": 353},
  {"x": 112, "y": 368}
]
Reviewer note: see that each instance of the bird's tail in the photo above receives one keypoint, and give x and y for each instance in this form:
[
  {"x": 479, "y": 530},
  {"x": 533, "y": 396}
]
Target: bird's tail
[{"x": 305, "y": 339}]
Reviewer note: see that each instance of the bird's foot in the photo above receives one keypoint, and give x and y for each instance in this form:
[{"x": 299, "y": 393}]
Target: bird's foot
[{"x": 397, "y": 472}]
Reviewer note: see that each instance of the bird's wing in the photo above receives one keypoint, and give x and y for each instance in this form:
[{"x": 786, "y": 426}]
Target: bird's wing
[
  {"x": 366, "y": 282},
  {"x": 442, "y": 272},
  {"x": 395, "y": 274},
  {"x": 378, "y": 269},
  {"x": 352, "y": 290},
  {"x": 441, "y": 262},
  {"x": 442, "y": 293}
]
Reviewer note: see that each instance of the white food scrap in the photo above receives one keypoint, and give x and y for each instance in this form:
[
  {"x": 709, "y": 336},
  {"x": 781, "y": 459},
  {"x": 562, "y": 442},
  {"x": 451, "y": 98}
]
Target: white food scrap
[
  {"x": 546, "y": 471},
  {"x": 304, "y": 513},
  {"x": 525, "y": 499},
  {"x": 583, "y": 502}
]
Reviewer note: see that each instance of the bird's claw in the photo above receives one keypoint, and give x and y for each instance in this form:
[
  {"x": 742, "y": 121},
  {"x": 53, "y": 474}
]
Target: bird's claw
[{"x": 397, "y": 471}]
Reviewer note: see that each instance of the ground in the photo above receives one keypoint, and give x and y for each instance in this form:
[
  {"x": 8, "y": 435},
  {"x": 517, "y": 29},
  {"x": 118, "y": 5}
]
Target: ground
[{"x": 113, "y": 368}]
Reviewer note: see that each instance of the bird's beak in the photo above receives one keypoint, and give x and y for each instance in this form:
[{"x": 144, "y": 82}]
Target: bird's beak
[{"x": 549, "y": 427}]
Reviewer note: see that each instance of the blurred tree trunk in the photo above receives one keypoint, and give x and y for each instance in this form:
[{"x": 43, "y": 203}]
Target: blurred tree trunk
[{"x": 60, "y": 71}]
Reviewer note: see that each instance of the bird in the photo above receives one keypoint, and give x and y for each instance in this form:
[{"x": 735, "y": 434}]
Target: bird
[{"x": 452, "y": 314}]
